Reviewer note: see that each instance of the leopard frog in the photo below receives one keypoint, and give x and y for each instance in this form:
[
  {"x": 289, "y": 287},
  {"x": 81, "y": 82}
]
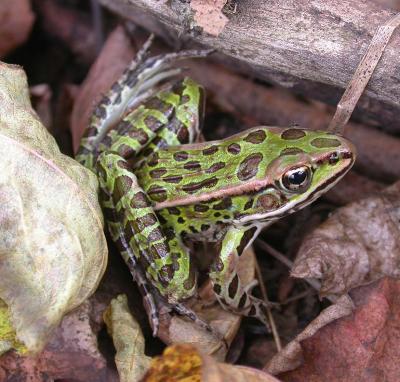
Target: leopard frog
[{"x": 160, "y": 190}]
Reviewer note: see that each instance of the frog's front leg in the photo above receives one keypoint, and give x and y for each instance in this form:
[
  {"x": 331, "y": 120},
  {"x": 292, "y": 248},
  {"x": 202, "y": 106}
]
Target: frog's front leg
[{"x": 227, "y": 285}]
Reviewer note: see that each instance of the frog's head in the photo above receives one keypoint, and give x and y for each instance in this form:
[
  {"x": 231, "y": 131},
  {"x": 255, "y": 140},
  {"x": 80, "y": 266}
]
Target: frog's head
[{"x": 304, "y": 164}]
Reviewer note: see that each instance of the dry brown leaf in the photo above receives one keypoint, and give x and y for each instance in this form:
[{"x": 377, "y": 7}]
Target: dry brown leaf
[
  {"x": 358, "y": 244},
  {"x": 128, "y": 340},
  {"x": 113, "y": 59},
  {"x": 291, "y": 356},
  {"x": 71, "y": 354},
  {"x": 362, "y": 347},
  {"x": 52, "y": 247},
  {"x": 16, "y": 20},
  {"x": 208, "y": 15},
  {"x": 185, "y": 363}
]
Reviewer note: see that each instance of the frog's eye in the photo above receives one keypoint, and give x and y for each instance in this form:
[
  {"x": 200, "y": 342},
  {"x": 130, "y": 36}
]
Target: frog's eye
[{"x": 297, "y": 179}]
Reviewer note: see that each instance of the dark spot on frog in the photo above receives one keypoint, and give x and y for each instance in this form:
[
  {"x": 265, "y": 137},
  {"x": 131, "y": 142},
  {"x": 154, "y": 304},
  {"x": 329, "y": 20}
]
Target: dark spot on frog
[
  {"x": 139, "y": 135},
  {"x": 159, "y": 250},
  {"x": 248, "y": 204},
  {"x": 185, "y": 98},
  {"x": 201, "y": 208},
  {"x": 152, "y": 123},
  {"x": 242, "y": 301},
  {"x": 233, "y": 287},
  {"x": 172, "y": 179},
  {"x": 173, "y": 210},
  {"x": 252, "y": 311},
  {"x": 291, "y": 151},
  {"x": 224, "y": 204},
  {"x": 153, "y": 161},
  {"x": 290, "y": 134},
  {"x": 193, "y": 229},
  {"x": 210, "y": 150},
  {"x": 181, "y": 156},
  {"x": 181, "y": 220},
  {"x": 217, "y": 288},
  {"x": 158, "y": 172},
  {"x": 323, "y": 143},
  {"x": 234, "y": 148},
  {"x": 205, "y": 227},
  {"x": 157, "y": 193},
  {"x": 183, "y": 134},
  {"x": 155, "y": 235},
  {"x": 139, "y": 200},
  {"x": 256, "y": 137},
  {"x": 247, "y": 236},
  {"x": 146, "y": 221},
  {"x": 206, "y": 183},
  {"x": 248, "y": 168},
  {"x": 100, "y": 112},
  {"x": 193, "y": 165},
  {"x": 215, "y": 167}
]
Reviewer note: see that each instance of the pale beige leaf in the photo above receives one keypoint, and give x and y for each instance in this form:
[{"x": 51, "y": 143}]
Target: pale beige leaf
[
  {"x": 52, "y": 246},
  {"x": 128, "y": 340},
  {"x": 358, "y": 244}
]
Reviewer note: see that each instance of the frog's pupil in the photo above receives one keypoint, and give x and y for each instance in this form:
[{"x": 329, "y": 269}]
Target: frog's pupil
[{"x": 297, "y": 177}]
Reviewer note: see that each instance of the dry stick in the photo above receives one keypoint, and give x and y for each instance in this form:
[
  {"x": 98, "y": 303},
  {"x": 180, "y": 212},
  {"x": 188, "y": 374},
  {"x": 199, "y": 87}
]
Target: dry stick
[
  {"x": 362, "y": 75},
  {"x": 283, "y": 259},
  {"x": 274, "y": 330}
]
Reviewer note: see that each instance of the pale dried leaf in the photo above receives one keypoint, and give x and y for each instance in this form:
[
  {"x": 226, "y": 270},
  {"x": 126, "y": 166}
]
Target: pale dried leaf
[
  {"x": 208, "y": 15},
  {"x": 358, "y": 244},
  {"x": 52, "y": 246},
  {"x": 291, "y": 356},
  {"x": 128, "y": 340},
  {"x": 185, "y": 363}
]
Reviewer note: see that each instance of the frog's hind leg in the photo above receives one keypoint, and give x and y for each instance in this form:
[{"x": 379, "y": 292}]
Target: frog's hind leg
[
  {"x": 138, "y": 83},
  {"x": 231, "y": 294}
]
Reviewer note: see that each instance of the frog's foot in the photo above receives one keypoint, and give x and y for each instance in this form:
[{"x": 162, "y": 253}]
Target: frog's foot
[{"x": 189, "y": 313}]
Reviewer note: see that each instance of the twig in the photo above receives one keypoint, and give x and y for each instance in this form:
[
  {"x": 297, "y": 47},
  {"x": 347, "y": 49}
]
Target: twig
[
  {"x": 274, "y": 330},
  {"x": 283, "y": 259},
  {"x": 362, "y": 75}
]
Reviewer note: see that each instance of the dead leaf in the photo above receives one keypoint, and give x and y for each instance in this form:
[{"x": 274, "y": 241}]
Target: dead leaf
[
  {"x": 185, "y": 363},
  {"x": 208, "y": 15},
  {"x": 71, "y": 354},
  {"x": 113, "y": 59},
  {"x": 358, "y": 244},
  {"x": 52, "y": 247},
  {"x": 128, "y": 340},
  {"x": 291, "y": 356},
  {"x": 364, "y": 346},
  {"x": 16, "y": 20}
]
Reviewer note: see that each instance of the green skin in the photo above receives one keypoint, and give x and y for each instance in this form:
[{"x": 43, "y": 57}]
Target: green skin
[{"x": 159, "y": 191}]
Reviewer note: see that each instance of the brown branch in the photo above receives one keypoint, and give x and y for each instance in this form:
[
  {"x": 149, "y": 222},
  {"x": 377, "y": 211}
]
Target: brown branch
[{"x": 311, "y": 47}]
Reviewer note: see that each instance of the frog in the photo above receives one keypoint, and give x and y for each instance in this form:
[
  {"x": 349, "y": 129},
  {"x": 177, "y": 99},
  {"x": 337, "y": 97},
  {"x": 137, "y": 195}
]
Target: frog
[{"x": 162, "y": 188}]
